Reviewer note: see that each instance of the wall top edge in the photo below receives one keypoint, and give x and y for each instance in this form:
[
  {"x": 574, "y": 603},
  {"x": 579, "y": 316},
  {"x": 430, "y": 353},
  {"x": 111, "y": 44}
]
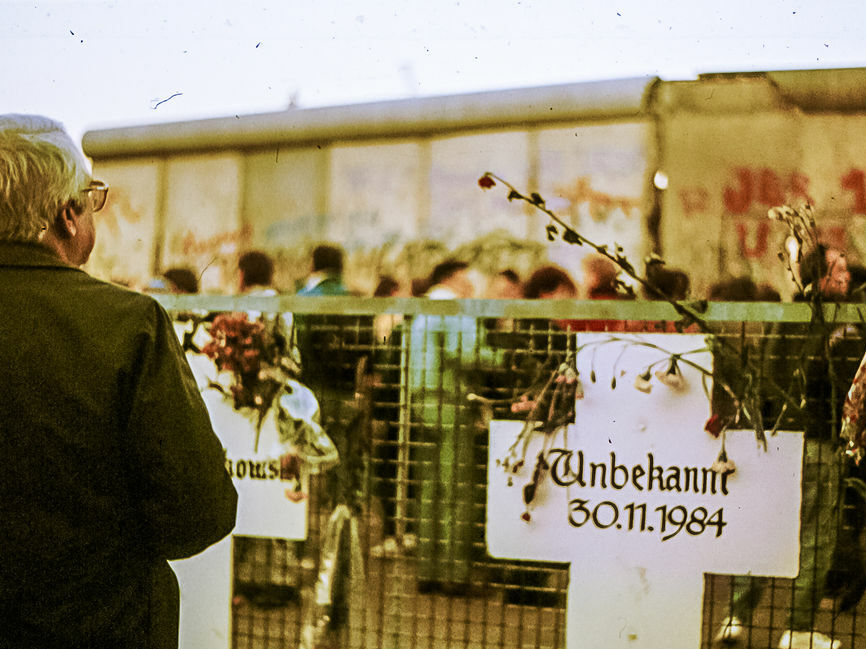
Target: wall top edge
[{"x": 394, "y": 118}]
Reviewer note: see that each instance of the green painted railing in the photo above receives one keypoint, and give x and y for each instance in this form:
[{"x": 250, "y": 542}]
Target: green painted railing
[{"x": 556, "y": 309}]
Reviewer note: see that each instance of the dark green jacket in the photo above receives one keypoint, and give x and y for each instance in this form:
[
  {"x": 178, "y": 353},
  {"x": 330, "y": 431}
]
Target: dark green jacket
[{"x": 109, "y": 463}]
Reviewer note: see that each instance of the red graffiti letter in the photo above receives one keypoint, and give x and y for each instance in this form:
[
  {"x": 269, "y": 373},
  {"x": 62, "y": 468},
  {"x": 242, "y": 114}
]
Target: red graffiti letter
[
  {"x": 800, "y": 186},
  {"x": 760, "y": 246},
  {"x": 738, "y": 200},
  {"x": 770, "y": 188},
  {"x": 694, "y": 200},
  {"x": 853, "y": 181}
]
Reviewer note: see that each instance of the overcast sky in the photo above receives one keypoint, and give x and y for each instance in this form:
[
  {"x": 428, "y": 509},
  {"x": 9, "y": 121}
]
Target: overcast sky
[{"x": 99, "y": 63}]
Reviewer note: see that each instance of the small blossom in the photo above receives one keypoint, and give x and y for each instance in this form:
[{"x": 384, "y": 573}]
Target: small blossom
[
  {"x": 642, "y": 382},
  {"x": 723, "y": 468},
  {"x": 486, "y": 182},
  {"x": 722, "y": 465},
  {"x": 526, "y": 516},
  {"x": 672, "y": 377}
]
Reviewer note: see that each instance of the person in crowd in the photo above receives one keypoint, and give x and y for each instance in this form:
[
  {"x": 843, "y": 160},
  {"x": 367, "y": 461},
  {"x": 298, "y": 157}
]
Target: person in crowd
[
  {"x": 600, "y": 282},
  {"x": 176, "y": 280},
  {"x": 504, "y": 285},
  {"x": 387, "y": 286},
  {"x": 807, "y": 355},
  {"x": 181, "y": 280},
  {"x": 857, "y": 290},
  {"x": 384, "y": 324},
  {"x": 599, "y": 277},
  {"x": 256, "y": 273},
  {"x": 824, "y": 270},
  {"x": 667, "y": 283},
  {"x": 664, "y": 284},
  {"x": 767, "y": 293},
  {"x": 445, "y": 355},
  {"x": 550, "y": 283},
  {"x": 733, "y": 289},
  {"x": 419, "y": 286},
  {"x": 742, "y": 289},
  {"x": 326, "y": 277},
  {"x": 112, "y": 467}
]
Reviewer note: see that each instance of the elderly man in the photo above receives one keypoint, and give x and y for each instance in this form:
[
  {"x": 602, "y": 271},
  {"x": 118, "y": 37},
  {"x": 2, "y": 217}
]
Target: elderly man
[{"x": 111, "y": 465}]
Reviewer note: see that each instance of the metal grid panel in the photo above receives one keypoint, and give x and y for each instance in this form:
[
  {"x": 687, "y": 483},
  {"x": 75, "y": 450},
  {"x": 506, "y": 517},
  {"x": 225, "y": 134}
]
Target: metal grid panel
[{"x": 419, "y": 490}]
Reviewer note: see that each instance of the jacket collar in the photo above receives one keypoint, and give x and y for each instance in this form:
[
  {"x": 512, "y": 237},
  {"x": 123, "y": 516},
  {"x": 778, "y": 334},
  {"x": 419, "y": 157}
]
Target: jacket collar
[{"x": 33, "y": 255}]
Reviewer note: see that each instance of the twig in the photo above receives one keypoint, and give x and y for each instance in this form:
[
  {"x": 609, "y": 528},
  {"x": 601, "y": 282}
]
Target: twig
[{"x": 688, "y": 313}]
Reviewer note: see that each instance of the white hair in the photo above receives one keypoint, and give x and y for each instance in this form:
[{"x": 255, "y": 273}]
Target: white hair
[{"x": 41, "y": 171}]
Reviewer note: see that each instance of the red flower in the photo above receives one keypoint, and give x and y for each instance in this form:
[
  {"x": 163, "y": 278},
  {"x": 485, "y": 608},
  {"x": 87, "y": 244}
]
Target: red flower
[
  {"x": 714, "y": 426},
  {"x": 525, "y": 516},
  {"x": 486, "y": 182}
]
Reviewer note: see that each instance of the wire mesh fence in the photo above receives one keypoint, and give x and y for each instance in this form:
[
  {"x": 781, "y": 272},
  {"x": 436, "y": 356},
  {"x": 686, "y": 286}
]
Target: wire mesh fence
[{"x": 407, "y": 389}]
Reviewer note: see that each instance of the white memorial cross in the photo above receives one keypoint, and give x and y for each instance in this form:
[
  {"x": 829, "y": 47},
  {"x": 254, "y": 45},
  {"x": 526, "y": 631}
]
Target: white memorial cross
[
  {"x": 629, "y": 501},
  {"x": 264, "y": 510}
]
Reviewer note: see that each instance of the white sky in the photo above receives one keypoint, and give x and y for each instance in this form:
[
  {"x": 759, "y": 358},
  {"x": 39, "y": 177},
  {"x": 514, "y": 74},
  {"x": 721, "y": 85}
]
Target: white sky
[{"x": 101, "y": 63}]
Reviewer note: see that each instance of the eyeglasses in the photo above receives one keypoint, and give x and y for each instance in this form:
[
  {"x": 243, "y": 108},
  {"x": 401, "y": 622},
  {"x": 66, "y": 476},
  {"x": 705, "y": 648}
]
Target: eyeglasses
[{"x": 98, "y": 191}]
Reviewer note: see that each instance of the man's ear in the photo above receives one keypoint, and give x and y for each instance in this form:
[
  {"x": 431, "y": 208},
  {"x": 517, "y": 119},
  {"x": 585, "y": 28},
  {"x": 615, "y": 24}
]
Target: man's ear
[{"x": 66, "y": 223}]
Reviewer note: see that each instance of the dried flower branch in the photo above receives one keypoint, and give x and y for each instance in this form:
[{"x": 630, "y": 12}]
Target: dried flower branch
[{"x": 746, "y": 402}]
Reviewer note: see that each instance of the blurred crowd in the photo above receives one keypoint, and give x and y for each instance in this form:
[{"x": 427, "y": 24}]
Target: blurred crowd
[{"x": 600, "y": 279}]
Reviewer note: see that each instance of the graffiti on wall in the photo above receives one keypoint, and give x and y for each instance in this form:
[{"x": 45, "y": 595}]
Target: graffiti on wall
[
  {"x": 218, "y": 244},
  {"x": 118, "y": 210},
  {"x": 598, "y": 205},
  {"x": 854, "y": 181},
  {"x": 751, "y": 191},
  {"x": 404, "y": 259},
  {"x": 121, "y": 221},
  {"x": 764, "y": 188},
  {"x": 289, "y": 231}
]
